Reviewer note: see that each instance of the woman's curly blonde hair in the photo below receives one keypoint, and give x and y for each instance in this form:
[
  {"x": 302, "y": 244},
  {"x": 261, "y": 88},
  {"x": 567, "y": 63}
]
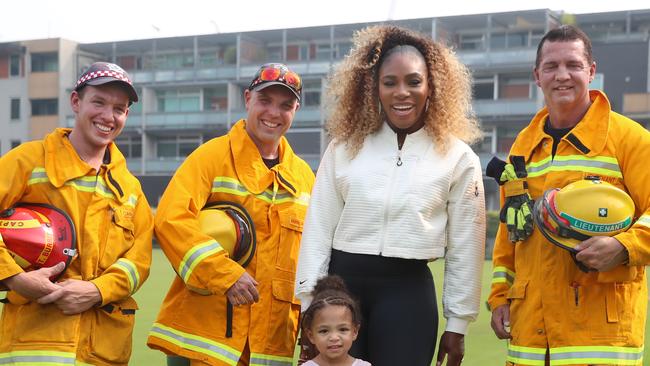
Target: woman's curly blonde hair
[{"x": 354, "y": 99}]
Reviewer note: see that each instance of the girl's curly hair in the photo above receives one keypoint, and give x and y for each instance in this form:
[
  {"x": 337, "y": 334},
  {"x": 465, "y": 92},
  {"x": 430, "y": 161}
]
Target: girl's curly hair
[
  {"x": 330, "y": 290},
  {"x": 354, "y": 98}
]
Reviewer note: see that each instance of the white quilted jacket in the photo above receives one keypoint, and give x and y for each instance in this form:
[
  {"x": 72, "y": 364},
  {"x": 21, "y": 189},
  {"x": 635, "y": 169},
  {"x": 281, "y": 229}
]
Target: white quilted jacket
[{"x": 430, "y": 206}]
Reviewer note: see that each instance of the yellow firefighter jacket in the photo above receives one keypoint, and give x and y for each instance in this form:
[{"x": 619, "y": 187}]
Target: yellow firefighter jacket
[
  {"x": 583, "y": 318},
  {"x": 114, "y": 226},
  {"x": 192, "y": 321}
]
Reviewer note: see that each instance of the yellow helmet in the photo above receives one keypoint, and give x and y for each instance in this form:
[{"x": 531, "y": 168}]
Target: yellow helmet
[
  {"x": 582, "y": 209},
  {"x": 232, "y": 227}
]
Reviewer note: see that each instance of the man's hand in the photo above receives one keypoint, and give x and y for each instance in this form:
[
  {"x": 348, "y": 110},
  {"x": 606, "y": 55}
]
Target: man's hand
[
  {"x": 501, "y": 321},
  {"x": 73, "y": 296},
  {"x": 244, "y": 291},
  {"x": 35, "y": 284},
  {"x": 601, "y": 253},
  {"x": 452, "y": 345}
]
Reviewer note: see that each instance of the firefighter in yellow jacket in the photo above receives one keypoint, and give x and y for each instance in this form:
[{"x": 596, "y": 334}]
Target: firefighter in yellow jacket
[
  {"x": 254, "y": 168},
  {"x": 552, "y": 312},
  {"x": 87, "y": 316}
]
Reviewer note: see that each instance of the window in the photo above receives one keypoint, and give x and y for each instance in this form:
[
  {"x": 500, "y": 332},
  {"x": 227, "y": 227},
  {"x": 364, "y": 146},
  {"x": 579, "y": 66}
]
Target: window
[
  {"x": 471, "y": 42},
  {"x": 14, "y": 65},
  {"x": 311, "y": 91},
  {"x": 127, "y": 62},
  {"x": 505, "y": 138},
  {"x": 130, "y": 146},
  {"x": 15, "y": 108},
  {"x": 515, "y": 86},
  {"x": 497, "y": 40},
  {"x": 177, "y": 147},
  {"x": 305, "y": 52},
  {"x": 298, "y": 52},
  {"x": 44, "y": 62},
  {"x": 187, "y": 145},
  {"x": 304, "y": 142},
  {"x": 166, "y": 148},
  {"x": 209, "y": 58},
  {"x": 484, "y": 89},
  {"x": 535, "y": 37},
  {"x": 136, "y": 108},
  {"x": 485, "y": 145},
  {"x": 292, "y": 53},
  {"x": 215, "y": 99},
  {"x": 323, "y": 51},
  {"x": 518, "y": 39},
  {"x": 174, "y": 61},
  {"x": 179, "y": 101},
  {"x": 274, "y": 53},
  {"x": 342, "y": 49},
  {"x": 15, "y": 143},
  {"x": 45, "y": 107}
]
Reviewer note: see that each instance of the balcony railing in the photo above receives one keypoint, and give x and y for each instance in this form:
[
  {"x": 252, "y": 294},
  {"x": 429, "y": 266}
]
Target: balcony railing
[
  {"x": 166, "y": 166},
  {"x": 505, "y": 107},
  {"x": 478, "y": 59},
  {"x": 162, "y": 76},
  {"x": 180, "y": 120},
  {"x": 221, "y": 72}
]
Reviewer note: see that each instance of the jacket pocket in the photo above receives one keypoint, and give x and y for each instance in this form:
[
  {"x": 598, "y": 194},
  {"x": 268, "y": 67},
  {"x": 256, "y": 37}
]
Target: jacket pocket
[
  {"x": 518, "y": 290},
  {"x": 292, "y": 220},
  {"x": 283, "y": 322},
  {"x": 518, "y": 319},
  {"x": 622, "y": 321},
  {"x": 620, "y": 273},
  {"x": 112, "y": 328},
  {"x": 120, "y": 236},
  {"x": 41, "y": 324}
]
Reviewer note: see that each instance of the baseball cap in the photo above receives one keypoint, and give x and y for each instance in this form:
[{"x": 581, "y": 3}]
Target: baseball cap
[
  {"x": 277, "y": 74},
  {"x": 105, "y": 72}
]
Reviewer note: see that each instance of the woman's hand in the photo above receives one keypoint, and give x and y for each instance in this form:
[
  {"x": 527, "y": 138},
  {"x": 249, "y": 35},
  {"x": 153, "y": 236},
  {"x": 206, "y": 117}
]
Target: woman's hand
[{"x": 452, "y": 346}]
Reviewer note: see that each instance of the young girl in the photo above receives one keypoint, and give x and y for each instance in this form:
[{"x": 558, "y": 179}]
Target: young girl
[{"x": 331, "y": 323}]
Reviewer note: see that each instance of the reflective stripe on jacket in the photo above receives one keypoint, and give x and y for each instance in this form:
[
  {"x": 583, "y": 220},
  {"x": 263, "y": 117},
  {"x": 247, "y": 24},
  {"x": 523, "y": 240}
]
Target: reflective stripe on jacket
[
  {"x": 114, "y": 227},
  {"x": 584, "y": 318},
  {"x": 192, "y": 320}
]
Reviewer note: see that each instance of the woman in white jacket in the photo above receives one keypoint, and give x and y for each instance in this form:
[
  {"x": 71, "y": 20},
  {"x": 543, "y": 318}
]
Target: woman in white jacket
[{"x": 398, "y": 187}]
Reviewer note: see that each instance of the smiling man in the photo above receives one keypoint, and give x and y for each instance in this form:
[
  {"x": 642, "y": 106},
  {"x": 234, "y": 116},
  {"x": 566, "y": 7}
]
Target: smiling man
[
  {"x": 87, "y": 315},
  {"x": 220, "y": 311},
  {"x": 553, "y": 312}
]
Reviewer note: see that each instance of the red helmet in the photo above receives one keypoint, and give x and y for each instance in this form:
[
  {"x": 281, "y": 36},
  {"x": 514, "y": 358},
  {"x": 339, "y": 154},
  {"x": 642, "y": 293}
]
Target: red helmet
[{"x": 38, "y": 235}]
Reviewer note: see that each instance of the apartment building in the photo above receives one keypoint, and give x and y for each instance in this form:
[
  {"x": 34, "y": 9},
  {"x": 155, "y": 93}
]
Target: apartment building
[{"x": 191, "y": 87}]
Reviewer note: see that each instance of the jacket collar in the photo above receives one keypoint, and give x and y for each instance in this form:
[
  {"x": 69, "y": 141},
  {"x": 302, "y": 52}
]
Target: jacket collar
[
  {"x": 588, "y": 136},
  {"x": 386, "y": 133},
  {"x": 250, "y": 168},
  {"x": 62, "y": 163}
]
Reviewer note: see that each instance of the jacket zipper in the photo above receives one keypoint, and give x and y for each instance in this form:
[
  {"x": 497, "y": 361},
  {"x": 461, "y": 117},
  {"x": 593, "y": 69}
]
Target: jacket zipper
[{"x": 398, "y": 163}]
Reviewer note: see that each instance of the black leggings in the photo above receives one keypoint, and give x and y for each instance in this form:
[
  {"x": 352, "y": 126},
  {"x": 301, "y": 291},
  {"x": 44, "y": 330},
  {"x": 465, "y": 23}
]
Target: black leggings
[{"x": 398, "y": 305}]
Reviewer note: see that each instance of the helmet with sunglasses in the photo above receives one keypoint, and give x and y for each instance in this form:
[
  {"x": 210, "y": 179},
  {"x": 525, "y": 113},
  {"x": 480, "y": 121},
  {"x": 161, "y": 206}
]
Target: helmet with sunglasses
[
  {"x": 38, "y": 235},
  {"x": 232, "y": 227},
  {"x": 276, "y": 74},
  {"x": 581, "y": 210}
]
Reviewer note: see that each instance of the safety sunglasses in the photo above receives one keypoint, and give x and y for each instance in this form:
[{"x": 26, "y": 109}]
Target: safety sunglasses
[{"x": 278, "y": 72}]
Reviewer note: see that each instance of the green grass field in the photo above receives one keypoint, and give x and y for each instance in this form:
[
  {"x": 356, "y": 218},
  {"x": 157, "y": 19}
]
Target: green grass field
[{"x": 482, "y": 348}]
